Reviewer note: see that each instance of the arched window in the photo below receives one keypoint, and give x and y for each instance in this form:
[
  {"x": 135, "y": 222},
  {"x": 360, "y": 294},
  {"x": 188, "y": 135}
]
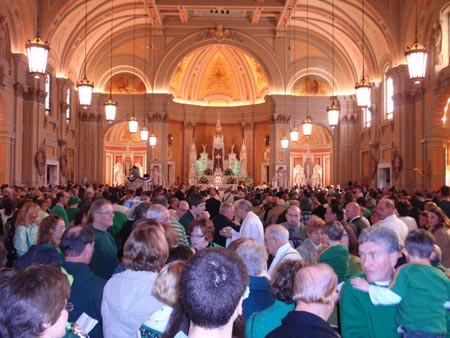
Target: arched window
[
  {"x": 48, "y": 87},
  {"x": 367, "y": 117},
  {"x": 68, "y": 111},
  {"x": 389, "y": 98}
]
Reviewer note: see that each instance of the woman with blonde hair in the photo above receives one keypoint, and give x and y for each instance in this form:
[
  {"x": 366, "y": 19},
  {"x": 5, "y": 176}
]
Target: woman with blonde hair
[
  {"x": 165, "y": 290},
  {"x": 439, "y": 225},
  {"x": 27, "y": 229}
]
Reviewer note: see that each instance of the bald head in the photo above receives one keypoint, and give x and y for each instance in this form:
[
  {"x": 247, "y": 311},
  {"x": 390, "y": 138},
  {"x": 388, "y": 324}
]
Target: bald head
[{"x": 352, "y": 210}]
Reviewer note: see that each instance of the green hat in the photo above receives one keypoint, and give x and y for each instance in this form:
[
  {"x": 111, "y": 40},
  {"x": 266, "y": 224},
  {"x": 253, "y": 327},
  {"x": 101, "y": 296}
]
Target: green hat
[{"x": 73, "y": 200}]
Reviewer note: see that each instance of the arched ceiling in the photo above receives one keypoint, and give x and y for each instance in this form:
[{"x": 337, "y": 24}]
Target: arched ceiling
[{"x": 220, "y": 74}]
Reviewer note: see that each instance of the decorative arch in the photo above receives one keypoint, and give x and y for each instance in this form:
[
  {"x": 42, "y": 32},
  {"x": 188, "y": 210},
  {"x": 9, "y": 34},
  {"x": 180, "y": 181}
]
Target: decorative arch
[{"x": 259, "y": 50}]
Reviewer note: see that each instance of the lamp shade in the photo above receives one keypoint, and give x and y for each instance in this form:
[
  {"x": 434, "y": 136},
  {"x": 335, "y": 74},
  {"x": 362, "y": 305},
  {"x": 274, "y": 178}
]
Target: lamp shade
[
  {"x": 85, "y": 89},
  {"x": 284, "y": 142},
  {"x": 37, "y": 51},
  {"x": 333, "y": 114},
  {"x": 133, "y": 124},
  {"x": 363, "y": 90},
  {"x": 294, "y": 135},
  {"x": 152, "y": 140},
  {"x": 307, "y": 126},
  {"x": 416, "y": 55},
  {"x": 144, "y": 134},
  {"x": 110, "y": 110}
]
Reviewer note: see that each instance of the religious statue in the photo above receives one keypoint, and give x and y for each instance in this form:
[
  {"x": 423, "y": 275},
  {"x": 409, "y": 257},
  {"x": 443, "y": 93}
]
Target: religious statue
[
  {"x": 266, "y": 154},
  {"x": 317, "y": 174},
  {"x": 436, "y": 35},
  {"x": 396, "y": 163},
  {"x": 373, "y": 166},
  {"x": 308, "y": 169},
  {"x": 299, "y": 175},
  {"x": 192, "y": 159},
  {"x": 157, "y": 178},
  {"x": 243, "y": 159},
  {"x": 40, "y": 159}
]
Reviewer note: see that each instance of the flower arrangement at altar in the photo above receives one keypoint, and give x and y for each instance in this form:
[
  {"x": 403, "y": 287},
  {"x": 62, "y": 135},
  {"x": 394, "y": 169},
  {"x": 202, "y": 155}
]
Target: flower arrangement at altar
[
  {"x": 207, "y": 172},
  {"x": 203, "y": 179},
  {"x": 232, "y": 180},
  {"x": 228, "y": 172}
]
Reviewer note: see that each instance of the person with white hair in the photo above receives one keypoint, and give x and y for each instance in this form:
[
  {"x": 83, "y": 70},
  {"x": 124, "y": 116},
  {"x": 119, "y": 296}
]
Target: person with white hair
[
  {"x": 276, "y": 241},
  {"x": 251, "y": 225}
]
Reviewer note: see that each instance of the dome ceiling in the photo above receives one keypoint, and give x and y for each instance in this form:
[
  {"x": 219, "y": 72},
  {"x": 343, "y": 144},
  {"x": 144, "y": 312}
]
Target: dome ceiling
[{"x": 219, "y": 75}]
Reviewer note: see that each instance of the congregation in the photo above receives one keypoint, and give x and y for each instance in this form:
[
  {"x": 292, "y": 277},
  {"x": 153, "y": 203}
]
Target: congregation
[{"x": 99, "y": 261}]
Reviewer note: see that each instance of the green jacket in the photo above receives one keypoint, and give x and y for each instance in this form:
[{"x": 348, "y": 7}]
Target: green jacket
[{"x": 361, "y": 319}]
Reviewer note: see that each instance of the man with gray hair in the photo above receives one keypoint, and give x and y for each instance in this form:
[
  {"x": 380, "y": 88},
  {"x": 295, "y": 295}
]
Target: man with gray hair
[
  {"x": 379, "y": 250},
  {"x": 276, "y": 241},
  {"x": 162, "y": 215},
  {"x": 251, "y": 225}
]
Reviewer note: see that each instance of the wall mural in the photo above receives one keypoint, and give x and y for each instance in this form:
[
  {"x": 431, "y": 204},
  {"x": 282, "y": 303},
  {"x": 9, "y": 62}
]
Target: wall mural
[
  {"x": 122, "y": 83},
  {"x": 312, "y": 84}
]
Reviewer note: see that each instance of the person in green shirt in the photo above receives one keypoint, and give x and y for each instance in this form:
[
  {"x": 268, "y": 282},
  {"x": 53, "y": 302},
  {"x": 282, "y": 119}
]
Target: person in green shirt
[
  {"x": 72, "y": 208},
  {"x": 359, "y": 318},
  {"x": 62, "y": 197},
  {"x": 420, "y": 289},
  {"x": 259, "y": 324}
]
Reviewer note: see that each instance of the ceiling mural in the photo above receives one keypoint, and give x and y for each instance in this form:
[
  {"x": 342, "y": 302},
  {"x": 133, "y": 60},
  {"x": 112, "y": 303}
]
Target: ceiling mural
[
  {"x": 122, "y": 83},
  {"x": 312, "y": 85}
]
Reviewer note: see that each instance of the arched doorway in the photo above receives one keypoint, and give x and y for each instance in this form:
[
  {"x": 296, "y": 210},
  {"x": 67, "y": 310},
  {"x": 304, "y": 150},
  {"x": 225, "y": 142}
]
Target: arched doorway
[
  {"x": 311, "y": 158},
  {"x": 122, "y": 151}
]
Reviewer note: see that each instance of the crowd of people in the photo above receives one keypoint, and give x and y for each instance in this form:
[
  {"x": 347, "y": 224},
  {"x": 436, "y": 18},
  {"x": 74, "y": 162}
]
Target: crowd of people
[{"x": 110, "y": 262}]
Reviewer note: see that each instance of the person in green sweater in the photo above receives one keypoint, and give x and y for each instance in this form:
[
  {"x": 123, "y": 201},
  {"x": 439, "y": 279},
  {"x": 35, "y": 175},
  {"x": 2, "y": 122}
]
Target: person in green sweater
[
  {"x": 359, "y": 318},
  {"x": 72, "y": 209},
  {"x": 104, "y": 260},
  {"x": 62, "y": 197},
  {"x": 420, "y": 289},
  {"x": 259, "y": 324},
  {"x": 337, "y": 254}
]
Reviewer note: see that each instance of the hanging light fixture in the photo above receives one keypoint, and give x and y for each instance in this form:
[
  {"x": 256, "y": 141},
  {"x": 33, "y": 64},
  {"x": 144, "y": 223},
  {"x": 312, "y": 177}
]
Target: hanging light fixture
[
  {"x": 416, "y": 55},
  {"x": 333, "y": 108},
  {"x": 153, "y": 139},
  {"x": 307, "y": 122},
  {"x": 110, "y": 104},
  {"x": 85, "y": 87},
  {"x": 133, "y": 123},
  {"x": 363, "y": 87},
  {"x": 144, "y": 130},
  {"x": 37, "y": 51},
  {"x": 284, "y": 142},
  {"x": 294, "y": 131}
]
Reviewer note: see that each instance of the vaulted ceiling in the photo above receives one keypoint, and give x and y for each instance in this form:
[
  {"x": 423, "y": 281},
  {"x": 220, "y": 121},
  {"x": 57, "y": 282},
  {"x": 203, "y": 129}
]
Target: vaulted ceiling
[{"x": 154, "y": 39}]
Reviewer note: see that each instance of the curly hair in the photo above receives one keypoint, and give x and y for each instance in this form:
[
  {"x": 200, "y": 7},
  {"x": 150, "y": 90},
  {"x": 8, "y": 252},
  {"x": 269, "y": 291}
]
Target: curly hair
[
  {"x": 47, "y": 225},
  {"x": 205, "y": 225},
  {"x": 282, "y": 282},
  {"x": 23, "y": 213}
]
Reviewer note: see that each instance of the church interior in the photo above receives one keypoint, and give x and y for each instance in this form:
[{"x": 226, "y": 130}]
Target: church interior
[{"x": 223, "y": 88}]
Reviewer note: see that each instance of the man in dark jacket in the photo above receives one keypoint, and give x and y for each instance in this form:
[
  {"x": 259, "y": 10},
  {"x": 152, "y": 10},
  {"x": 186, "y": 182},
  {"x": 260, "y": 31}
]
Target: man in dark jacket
[
  {"x": 222, "y": 220},
  {"x": 87, "y": 288}
]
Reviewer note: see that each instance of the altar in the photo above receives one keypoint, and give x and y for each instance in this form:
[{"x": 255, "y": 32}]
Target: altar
[{"x": 218, "y": 168}]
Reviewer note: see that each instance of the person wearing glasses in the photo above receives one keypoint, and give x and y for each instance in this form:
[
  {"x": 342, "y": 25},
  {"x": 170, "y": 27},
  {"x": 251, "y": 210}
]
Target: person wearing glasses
[
  {"x": 33, "y": 302},
  {"x": 202, "y": 233},
  {"x": 104, "y": 261}
]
